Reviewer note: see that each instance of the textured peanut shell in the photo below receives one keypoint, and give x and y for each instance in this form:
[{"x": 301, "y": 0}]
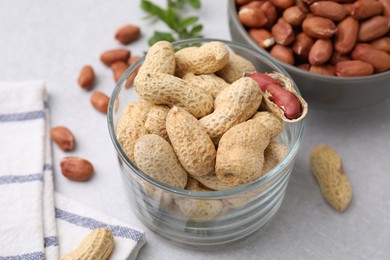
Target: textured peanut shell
[
  {"x": 96, "y": 245},
  {"x": 240, "y": 154},
  {"x": 212, "y": 84},
  {"x": 131, "y": 126},
  {"x": 155, "y": 122},
  {"x": 326, "y": 166},
  {"x": 211, "y": 181},
  {"x": 235, "y": 68},
  {"x": 164, "y": 89},
  {"x": 199, "y": 210},
  {"x": 156, "y": 158},
  {"x": 159, "y": 58},
  {"x": 205, "y": 59},
  {"x": 235, "y": 104},
  {"x": 190, "y": 141},
  {"x": 270, "y": 121},
  {"x": 272, "y": 107},
  {"x": 273, "y": 154}
]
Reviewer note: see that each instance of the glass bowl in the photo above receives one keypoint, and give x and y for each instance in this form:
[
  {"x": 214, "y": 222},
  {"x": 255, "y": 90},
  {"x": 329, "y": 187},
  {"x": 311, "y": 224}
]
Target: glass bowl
[
  {"x": 321, "y": 91},
  {"x": 234, "y": 213}
]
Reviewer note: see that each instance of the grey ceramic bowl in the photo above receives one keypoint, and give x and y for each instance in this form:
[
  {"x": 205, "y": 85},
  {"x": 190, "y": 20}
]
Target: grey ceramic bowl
[{"x": 322, "y": 92}]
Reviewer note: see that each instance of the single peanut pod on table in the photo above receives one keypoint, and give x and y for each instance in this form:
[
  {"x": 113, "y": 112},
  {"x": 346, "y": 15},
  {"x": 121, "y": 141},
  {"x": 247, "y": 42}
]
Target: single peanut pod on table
[
  {"x": 328, "y": 9},
  {"x": 283, "y": 53},
  {"x": 190, "y": 141},
  {"x": 283, "y": 4},
  {"x": 386, "y": 7},
  {"x": 353, "y": 68},
  {"x": 118, "y": 68},
  {"x": 156, "y": 158},
  {"x": 374, "y": 28},
  {"x": 294, "y": 15},
  {"x": 270, "y": 12},
  {"x": 319, "y": 27},
  {"x": 233, "y": 70},
  {"x": 86, "y": 77},
  {"x": 96, "y": 245},
  {"x": 363, "y": 9},
  {"x": 346, "y": 35},
  {"x": 235, "y": 104},
  {"x": 262, "y": 37},
  {"x": 326, "y": 70},
  {"x": 250, "y": 16},
  {"x": 382, "y": 44},
  {"x": 326, "y": 166},
  {"x": 377, "y": 58},
  {"x": 111, "y": 56},
  {"x": 283, "y": 32},
  {"x": 320, "y": 52},
  {"x": 302, "y": 45},
  {"x": 127, "y": 33}
]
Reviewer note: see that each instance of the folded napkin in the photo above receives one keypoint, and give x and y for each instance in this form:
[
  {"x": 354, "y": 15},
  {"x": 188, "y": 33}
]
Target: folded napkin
[{"x": 35, "y": 222}]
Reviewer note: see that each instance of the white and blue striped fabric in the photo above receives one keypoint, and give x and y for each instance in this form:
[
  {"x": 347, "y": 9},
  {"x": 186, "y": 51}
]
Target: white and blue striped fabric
[{"x": 35, "y": 222}]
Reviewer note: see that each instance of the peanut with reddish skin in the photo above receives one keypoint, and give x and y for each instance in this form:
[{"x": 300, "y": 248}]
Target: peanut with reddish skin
[
  {"x": 302, "y": 45},
  {"x": 76, "y": 168},
  {"x": 262, "y": 37},
  {"x": 133, "y": 59},
  {"x": 363, "y": 9},
  {"x": 377, "y": 58},
  {"x": 100, "y": 101},
  {"x": 111, "y": 56},
  {"x": 346, "y": 35},
  {"x": 294, "y": 15},
  {"x": 283, "y": 4},
  {"x": 86, "y": 77},
  {"x": 337, "y": 57},
  {"x": 63, "y": 137},
  {"x": 326, "y": 70},
  {"x": 329, "y": 9},
  {"x": 284, "y": 99},
  {"x": 318, "y": 27},
  {"x": 252, "y": 16},
  {"x": 353, "y": 68},
  {"x": 127, "y": 33},
  {"x": 382, "y": 44},
  {"x": 283, "y": 32},
  {"x": 320, "y": 52},
  {"x": 243, "y": 2},
  {"x": 283, "y": 53},
  {"x": 270, "y": 12},
  {"x": 386, "y": 7},
  {"x": 118, "y": 68},
  {"x": 374, "y": 28}
]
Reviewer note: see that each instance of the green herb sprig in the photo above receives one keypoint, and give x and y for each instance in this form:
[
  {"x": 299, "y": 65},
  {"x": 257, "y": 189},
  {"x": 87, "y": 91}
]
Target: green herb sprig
[{"x": 181, "y": 27}]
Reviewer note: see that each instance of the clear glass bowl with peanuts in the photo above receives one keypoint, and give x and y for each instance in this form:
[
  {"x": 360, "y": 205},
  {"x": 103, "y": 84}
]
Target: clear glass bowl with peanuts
[
  {"x": 206, "y": 132},
  {"x": 337, "y": 52}
]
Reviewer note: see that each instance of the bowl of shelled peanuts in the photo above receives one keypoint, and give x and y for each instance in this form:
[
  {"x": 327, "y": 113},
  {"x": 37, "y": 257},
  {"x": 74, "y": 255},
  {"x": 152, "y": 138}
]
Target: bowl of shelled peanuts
[
  {"x": 206, "y": 132},
  {"x": 337, "y": 52}
]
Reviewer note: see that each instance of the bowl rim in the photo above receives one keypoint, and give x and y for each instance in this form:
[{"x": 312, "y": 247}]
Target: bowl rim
[
  {"x": 280, "y": 167},
  {"x": 232, "y": 13}
]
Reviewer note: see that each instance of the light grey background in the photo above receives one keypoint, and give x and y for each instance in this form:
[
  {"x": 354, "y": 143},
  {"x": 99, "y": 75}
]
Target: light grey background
[{"x": 52, "y": 40}]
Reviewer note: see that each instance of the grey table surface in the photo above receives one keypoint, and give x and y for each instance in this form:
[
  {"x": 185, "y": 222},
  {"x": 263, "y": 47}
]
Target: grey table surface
[{"x": 52, "y": 40}]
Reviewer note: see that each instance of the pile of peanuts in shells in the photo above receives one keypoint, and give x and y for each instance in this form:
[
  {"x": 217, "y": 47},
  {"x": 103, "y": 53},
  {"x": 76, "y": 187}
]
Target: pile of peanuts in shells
[
  {"x": 345, "y": 38},
  {"x": 205, "y": 120}
]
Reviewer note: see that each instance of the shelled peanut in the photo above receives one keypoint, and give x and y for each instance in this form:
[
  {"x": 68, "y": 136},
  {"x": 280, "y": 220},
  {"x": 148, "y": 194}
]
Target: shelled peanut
[
  {"x": 207, "y": 117},
  {"x": 319, "y": 36}
]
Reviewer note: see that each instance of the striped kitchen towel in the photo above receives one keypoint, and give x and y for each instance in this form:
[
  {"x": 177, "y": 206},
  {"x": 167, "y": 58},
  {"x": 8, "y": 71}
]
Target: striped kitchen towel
[{"x": 36, "y": 223}]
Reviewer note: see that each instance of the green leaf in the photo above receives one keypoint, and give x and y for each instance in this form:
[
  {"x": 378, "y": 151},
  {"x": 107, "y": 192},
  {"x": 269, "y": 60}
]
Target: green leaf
[
  {"x": 161, "y": 36},
  {"x": 196, "y": 29},
  {"x": 195, "y": 3},
  {"x": 172, "y": 19},
  {"x": 188, "y": 21}
]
